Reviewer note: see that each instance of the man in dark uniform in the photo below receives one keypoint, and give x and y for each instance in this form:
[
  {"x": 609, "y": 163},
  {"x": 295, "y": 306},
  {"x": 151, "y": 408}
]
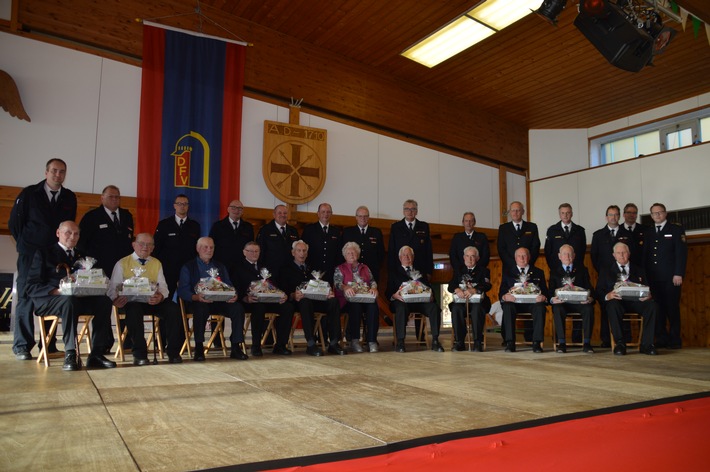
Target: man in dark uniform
[
  {"x": 637, "y": 230},
  {"x": 230, "y": 234},
  {"x": 107, "y": 234},
  {"x": 615, "y": 306},
  {"x": 515, "y": 234},
  {"x": 565, "y": 232},
  {"x": 34, "y": 220},
  {"x": 666, "y": 257},
  {"x": 175, "y": 241},
  {"x": 43, "y": 279},
  {"x": 247, "y": 271},
  {"x": 468, "y": 237},
  {"x": 414, "y": 233},
  {"x": 476, "y": 279},
  {"x": 372, "y": 246},
  {"x": 566, "y": 270},
  {"x": 275, "y": 239},
  {"x": 324, "y": 243},
  {"x": 537, "y": 308},
  {"x": 293, "y": 275},
  {"x": 602, "y": 253}
]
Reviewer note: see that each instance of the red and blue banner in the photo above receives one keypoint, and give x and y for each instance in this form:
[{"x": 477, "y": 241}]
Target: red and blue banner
[{"x": 190, "y": 125}]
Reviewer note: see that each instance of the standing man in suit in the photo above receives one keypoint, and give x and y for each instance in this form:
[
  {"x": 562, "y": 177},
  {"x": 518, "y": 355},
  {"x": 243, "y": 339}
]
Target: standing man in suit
[
  {"x": 275, "y": 240},
  {"x": 515, "y": 234},
  {"x": 230, "y": 234},
  {"x": 175, "y": 241},
  {"x": 468, "y": 237},
  {"x": 637, "y": 230},
  {"x": 615, "y": 306},
  {"x": 43, "y": 287},
  {"x": 34, "y": 219},
  {"x": 537, "y": 308},
  {"x": 324, "y": 243},
  {"x": 247, "y": 271},
  {"x": 413, "y": 233},
  {"x": 565, "y": 232},
  {"x": 370, "y": 240},
  {"x": 107, "y": 234},
  {"x": 602, "y": 252},
  {"x": 567, "y": 269},
  {"x": 666, "y": 257}
]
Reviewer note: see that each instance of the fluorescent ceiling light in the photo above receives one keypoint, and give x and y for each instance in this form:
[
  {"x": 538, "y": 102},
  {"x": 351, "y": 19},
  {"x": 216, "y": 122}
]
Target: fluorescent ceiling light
[{"x": 468, "y": 29}]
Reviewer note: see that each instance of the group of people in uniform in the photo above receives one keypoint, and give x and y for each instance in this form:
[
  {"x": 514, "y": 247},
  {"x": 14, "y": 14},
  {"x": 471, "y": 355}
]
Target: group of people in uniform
[{"x": 176, "y": 257}]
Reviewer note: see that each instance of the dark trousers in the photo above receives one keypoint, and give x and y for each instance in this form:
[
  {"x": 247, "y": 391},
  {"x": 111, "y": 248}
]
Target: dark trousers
[
  {"x": 69, "y": 308},
  {"x": 402, "y": 310},
  {"x": 510, "y": 312},
  {"x": 24, "y": 332},
  {"x": 458, "y": 321},
  {"x": 330, "y": 307},
  {"x": 282, "y": 324},
  {"x": 170, "y": 326},
  {"x": 371, "y": 314},
  {"x": 667, "y": 296},
  {"x": 234, "y": 311},
  {"x": 648, "y": 311},
  {"x": 559, "y": 315}
]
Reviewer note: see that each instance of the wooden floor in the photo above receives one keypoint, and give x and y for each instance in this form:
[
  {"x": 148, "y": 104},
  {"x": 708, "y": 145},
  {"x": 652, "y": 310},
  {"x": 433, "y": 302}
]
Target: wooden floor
[{"x": 225, "y": 412}]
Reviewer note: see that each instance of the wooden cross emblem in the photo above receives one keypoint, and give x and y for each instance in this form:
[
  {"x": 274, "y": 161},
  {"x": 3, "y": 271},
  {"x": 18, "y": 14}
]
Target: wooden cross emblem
[{"x": 294, "y": 161}]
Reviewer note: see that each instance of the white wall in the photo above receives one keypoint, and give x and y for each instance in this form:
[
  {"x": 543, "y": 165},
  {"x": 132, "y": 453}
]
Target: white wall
[{"x": 85, "y": 110}]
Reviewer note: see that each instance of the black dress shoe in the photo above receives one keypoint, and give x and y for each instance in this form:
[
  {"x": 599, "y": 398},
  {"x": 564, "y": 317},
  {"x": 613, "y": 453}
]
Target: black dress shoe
[
  {"x": 562, "y": 348},
  {"x": 256, "y": 352},
  {"x": 436, "y": 346},
  {"x": 238, "y": 354},
  {"x": 588, "y": 348},
  {"x": 620, "y": 350},
  {"x": 649, "y": 350},
  {"x": 477, "y": 346},
  {"x": 510, "y": 346},
  {"x": 537, "y": 347},
  {"x": 23, "y": 355},
  {"x": 458, "y": 347},
  {"x": 70, "y": 361},
  {"x": 336, "y": 349},
  {"x": 281, "y": 350},
  {"x": 605, "y": 344},
  {"x": 199, "y": 355},
  {"x": 141, "y": 362},
  {"x": 314, "y": 351},
  {"x": 99, "y": 361},
  {"x": 175, "y": 359},
  {"x": 400, "y": 347}
]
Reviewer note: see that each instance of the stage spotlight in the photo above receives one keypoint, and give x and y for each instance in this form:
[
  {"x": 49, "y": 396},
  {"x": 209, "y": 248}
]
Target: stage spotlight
[
  {"x": 594, "y": 8},
  {"x": 551, "y": 9}
]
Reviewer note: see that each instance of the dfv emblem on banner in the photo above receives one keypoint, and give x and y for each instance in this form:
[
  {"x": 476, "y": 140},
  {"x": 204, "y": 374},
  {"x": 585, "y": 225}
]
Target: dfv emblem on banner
[{"x": 191, "y": 150}]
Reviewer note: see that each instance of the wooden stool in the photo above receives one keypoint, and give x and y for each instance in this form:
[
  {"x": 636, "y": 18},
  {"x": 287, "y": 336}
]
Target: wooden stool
[
  {"x": 631, "y": 318},
  {"x": 317, "y": 329},
  {"x": 570, "y": 320},
  {"x": 122, "y": 334},
  {"x": 217, "y": 331},
  {"x": 422, "y": 335},
  {"x": 522, "y": 318},
  {"x": 46, "y": 336}
]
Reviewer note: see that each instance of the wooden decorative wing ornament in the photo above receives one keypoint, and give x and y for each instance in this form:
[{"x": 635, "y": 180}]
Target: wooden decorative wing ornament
[{"x": 10, "y": 99}]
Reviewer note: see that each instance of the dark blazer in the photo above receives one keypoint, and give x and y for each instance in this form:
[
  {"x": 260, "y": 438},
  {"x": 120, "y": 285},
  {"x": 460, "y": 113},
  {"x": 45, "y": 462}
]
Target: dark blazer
[
  {"x": 33, "y": 222},
  {"x": 275, "y": 249},
  {"x": 556, "y": 238},
  {"x": 537, "y": 276},
  {"x": 324, "y": 251},
  {"x": 480, "y": 275},
  {"x": 509, "y": 241},
  {"x": 419, "y": 240},
  {"x": 666, "y": 253},
  {"x": 228, "y": 244},
  {"x": 579, "y": 272},
  {"x": 244, "y": 274},
  {"x": 174, "y": 247},
  {"x": 102, "y": 240},
  {"x": 372, "y": 247},
  {"x": 396, "y": 277},
  {"x": 603, "y": 245},
  {"x": 610, "y": 275},
  {"x": 292, "y": 276},
  {"x": 460, "y": 242},
  {"x": 637, "y": 243},
  {"x": 43, "y": 275}
]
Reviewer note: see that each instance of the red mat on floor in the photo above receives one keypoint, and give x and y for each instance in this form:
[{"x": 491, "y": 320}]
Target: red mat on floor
[{"x": 668, "y": 436}]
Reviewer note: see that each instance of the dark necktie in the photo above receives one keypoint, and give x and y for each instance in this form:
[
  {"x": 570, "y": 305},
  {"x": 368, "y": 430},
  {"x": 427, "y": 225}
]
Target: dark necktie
[
  {"x": 325, "y": 230},
  {"x": 411, "y": 227},
  {"x": 517, "y": 229},
  {"x": 470, "y": 237},
  {"x": 70, "y": 254},
  {"x": 53, "y": 201},
  {"x": 115, "y": 218},
  {"x": 363, "y": 231},
  {"x": 612, "y": 233},
  {"x": 283, "y": 231},
  {"x": 623, "y": 270},
  {"x": 142, "y": 261},
  {"x": 303, "y": 269},
  {"x": 470, "y": 271},
  {"x": 566, "y": 231},
  {"x": 630, "y": 230},
  {"x": 658, "y": 229},
  {"x": 568, "y": 270},
  {"x": 408, "y": 270},
  {"x": 522, "y": 271},
  {"x": 182, "y": 223},
  {"x": 236, "y": 226}
]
